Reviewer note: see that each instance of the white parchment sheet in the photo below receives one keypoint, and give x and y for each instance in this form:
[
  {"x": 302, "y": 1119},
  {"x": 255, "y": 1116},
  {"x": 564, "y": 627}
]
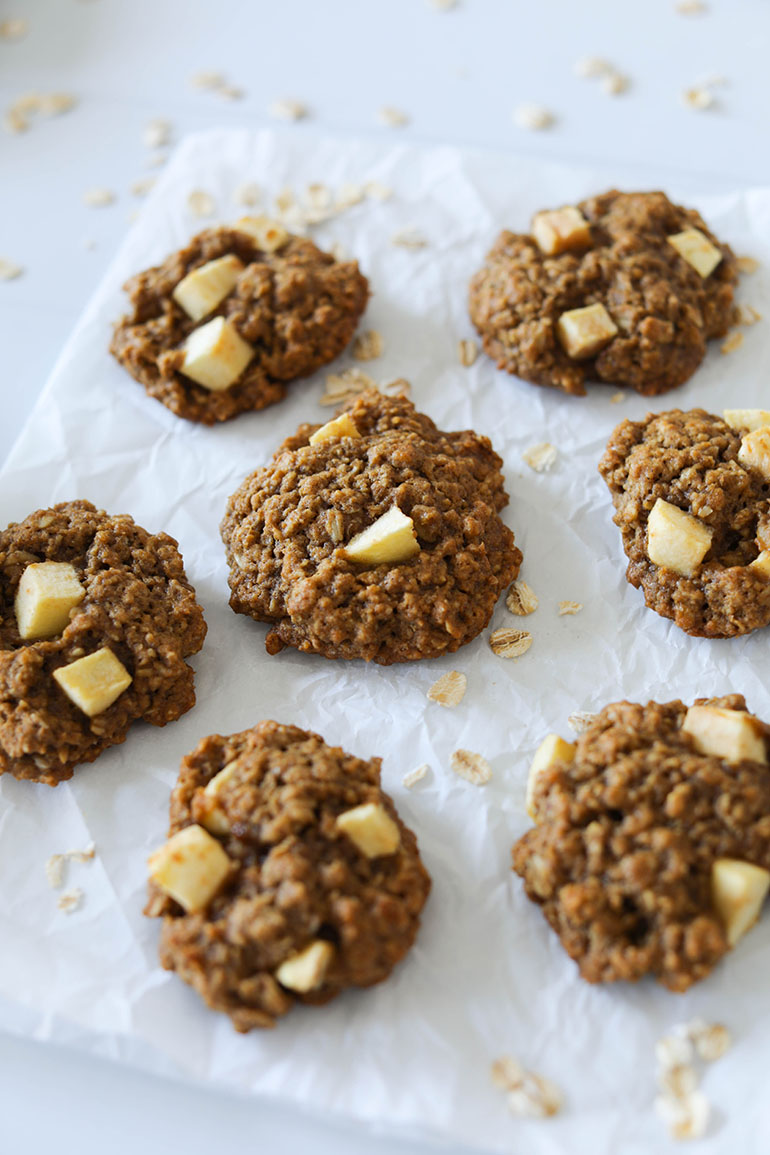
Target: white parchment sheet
[{"x": 486, "y": 976}]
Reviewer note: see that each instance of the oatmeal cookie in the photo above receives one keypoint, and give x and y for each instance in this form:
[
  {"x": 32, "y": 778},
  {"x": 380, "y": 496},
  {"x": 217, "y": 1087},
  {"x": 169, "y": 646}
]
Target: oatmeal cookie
[
  {"x": 630, "y": 824},
  {"x": 691, "y": 461},
  {"x": 306, "y": 904},
  {"x": 131, "y": 604},
  {"x": 657, "y": 311},
  {"x": 289, "y": 527},
  {"x": 296, "y": 308}
]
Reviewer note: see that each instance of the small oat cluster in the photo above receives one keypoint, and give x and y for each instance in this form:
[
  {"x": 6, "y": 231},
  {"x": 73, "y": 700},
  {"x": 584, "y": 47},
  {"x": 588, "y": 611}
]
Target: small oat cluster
[
  {"x": 522, "y": 600},
  {"x": 56, "y": 870},
  {"x": 613, "y": 82},
  {"x": 528, "y": 1095},
  {"x": 19, "y": 115},
  {"x": 681, "y": 1104}
]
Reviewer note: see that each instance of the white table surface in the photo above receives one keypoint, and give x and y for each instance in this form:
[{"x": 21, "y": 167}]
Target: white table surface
[{"x": 458, "y": 75}]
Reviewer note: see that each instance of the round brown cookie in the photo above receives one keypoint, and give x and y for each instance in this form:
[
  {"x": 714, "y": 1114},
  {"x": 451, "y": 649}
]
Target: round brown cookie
[
  {"x": 663, "y": 309},
  {"x": 297, "y": 307},
  {"x": 136, "y": 603},
  {"x": 690, "y": 460},
  {"x": 627, "y": 834},
  {"x": 296, "y": 877},
  {"x": 285, "y": 527}
]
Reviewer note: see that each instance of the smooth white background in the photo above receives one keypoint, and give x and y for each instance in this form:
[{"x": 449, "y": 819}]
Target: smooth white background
[{"x": 458, "y": 75}]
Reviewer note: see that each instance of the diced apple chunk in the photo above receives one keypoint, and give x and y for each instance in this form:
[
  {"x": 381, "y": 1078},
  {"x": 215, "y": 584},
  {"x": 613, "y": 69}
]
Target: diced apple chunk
[
  {"x": 204, "y": 288},
  {"x": 695, "y": 248},
  {"x": 215, "y": 355},
  {"x": 342, "y": 426},
  {"x": 269, "y": 235},
  {"x": 207, "y": 808},
  {"x": 371, "y": 828},
  {"x": 676, "y": 539},
  {"x": 748, "y": 419},
  {"x": 388, "y": 540},
  {"x": 730, "y": 734},
  {"x": 190, "y": 867},
  {"x": 584, "y": 332},
  {"x": 47, "y": 593},
  {"x": 94, "y": 682},
  {"x": 738, "y": 890},
  {"x": 561, "y": 230},
  {"x": 552, "y": 749},
  {"x": 306, "y": 970},
  {"x": 761, "y": 564},
  {"x": 754, "y": 452}
]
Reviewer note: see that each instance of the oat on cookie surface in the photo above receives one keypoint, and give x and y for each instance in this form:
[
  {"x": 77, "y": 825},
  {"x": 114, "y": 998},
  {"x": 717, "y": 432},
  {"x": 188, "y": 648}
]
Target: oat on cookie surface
[
  {"x": 306, "y": 909},
  {"x": 664, "y": 310},
  {"x": 135, "y": 603},
  {"x": 290, "y": 525},
  {"x": 296, "y": 308}
]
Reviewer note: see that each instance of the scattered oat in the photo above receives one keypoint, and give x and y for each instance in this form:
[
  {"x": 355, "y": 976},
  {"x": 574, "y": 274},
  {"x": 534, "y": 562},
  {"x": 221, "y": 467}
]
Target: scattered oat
[
  {"x": 207, "y": 80},
  {"x": 687, "y": 1118},
  {"x": 414, "y": 776},
  {"x": 698, "y": 97},
  {"x": 472, "y": 767},
  {"x": 443, "y": 5},
  {"x": 450, "y": 689},
  {"x": 733, "y": 342},
  {"x": 711, "y": 1040},
  {"x": 615, "y": 83},
  {"x": 674, "y": 1050},
  {"x": 506, "y": 1073},
  {"x": 566, "y": 608},
  {"x": 318, "y": 195},
  {"x": 398, "y": 388},
  {"x": 87, "y": 854},
  {"x": 748, "y": 315},
  {"x": 71, "y": 900},
  {"x": 540, "y": 457},
  {"x": 616, "y": 398},
  {"x": 533, "y": 117},
  {"x": 156, "y": 159},
  {"x": 230, "y": 92},
  {"x": 141, "y": 187},
  {"x": 343, "y": 386},
  {"x": 528, "y": 1094},
  {"x": 349, "y": 194},
  {"x": 392, "y": 117},
  {"x": 288, "y": 110},
  {"x": 55, "y": 103},
  {"x": 521, "y": 599},
  {"x": 336, "y": 526},
  {"x": 157, "y": 133},
  {"x": 467, "y": 351},
  {"x": 678, "y": 1081},
  {"x": 54, "y": 870},
  {"x": 580, "y": 721},
  {"x": 248, "y": 194},
  {"x": 368, "y": 346},
  {"x": 747, "y": 264},
  {"x": 377, "y": 191},
  {"x": 13, "y": 29},
  {"x": 409, "y": 239},
  {"x": 201, "y": 204},
  {"x": 9, "y": 271},
  {"x": 14, "y": 121},
  {"x": 591, "y": 67},
  {"x": 338, "y": 251},
  {"x": 691, "y": 7},
  {"x": 98, "y": 198},
  {"x": 508, "y": 643}
]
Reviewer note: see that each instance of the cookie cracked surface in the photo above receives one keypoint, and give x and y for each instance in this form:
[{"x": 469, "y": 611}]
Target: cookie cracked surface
[
  {"x": 664, "y": 310},
  {"x": 137, "y": 603},
  {"x": 298, "y": 307},
  {"x": 627, "y": 834},
  {"x": 296, "y": 878},
  {"x": 690, "y": 460},
  {"x": 287, "y": 525}
]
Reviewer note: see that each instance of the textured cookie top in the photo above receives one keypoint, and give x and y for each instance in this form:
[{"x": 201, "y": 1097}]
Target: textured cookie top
[
  {"x": 137, "y": 603},
  {"x": 287, "y": 526},
  {"x": 297, "y": 307},
  {"x": 663, "y": 309},
  {"x": 627, "y": 834},
  {"x": 296, "y": 877},
  {"x": 691, "y": 461}
]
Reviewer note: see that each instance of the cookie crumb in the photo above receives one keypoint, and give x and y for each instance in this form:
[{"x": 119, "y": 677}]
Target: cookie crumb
[
  {"x": 521, "y": 599},
  {"x": 248, "y": 194},
  {"x": 98, "y": 198},
  {"x": 288, "y": 110},
  {"x": 472, "y": 767},
  {"x": 392, "y": 117},
  {"x": 616, "y": 398},
  {"x": 508, "y": 643},
  {"x": 733, "y": 342},
  {"x": 540, "y": 457},
  {"x": 414, "y": 776},
  {"x": 467, "y": 351},
  {"x": 71, "y": 900},
  {"x": 14, "y": 29},
  {"x": 201, "y": 204},
  {"x": 157, "y": 133},
  {"x": 533, "y": 117},
  {"x": 527, "y": 1094},
  {"x": 368, "y": 346},
  {"x": 409, "y": 238},
  {"x": 747, "y": 264},
  {"x": 580, "y": 721},
  {"x": 450, "y": 689},
  {"x": 9, "y": 271},
  {"x": 566, "y": 608}
]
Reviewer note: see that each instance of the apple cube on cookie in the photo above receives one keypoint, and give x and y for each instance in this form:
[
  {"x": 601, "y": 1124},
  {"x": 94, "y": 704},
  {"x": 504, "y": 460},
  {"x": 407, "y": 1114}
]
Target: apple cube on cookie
[
  {"x": 94, "y": 682},
  {"x": 551, "y": 749},
  {"x": 754, "y": 452},
  {"x": 584, "y": 332},
  {"x": 561, "y": 230},
  {"x": 204, "y": 288},
  {"x": 342, "y": 426},
  {"x": 190, "y": 867},
  {"x": 207, "y": 809},
  {"x": 306, "y": 970},
  {"x": 388, "y": 540},
  {"x": 695, "y": 248},
  {"x": 371, "y": 828},
  {"x": 730, "y": 734},
  {"x": 738, "y": 890},
  {"x": 676, "y": 539},
  {"x": 47, "y": 594},
  {"x": 215, "y": 355},
  {"x": 748, "y": 419},
  {"x": 761, "y": 564},
  {"x": 269, "y": 235}
]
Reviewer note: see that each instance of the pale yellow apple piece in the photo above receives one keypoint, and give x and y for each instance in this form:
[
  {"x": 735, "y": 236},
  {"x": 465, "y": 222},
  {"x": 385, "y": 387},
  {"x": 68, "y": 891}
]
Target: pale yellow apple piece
[
  {"x": 730, "y": 734},
  {"x": 269, "y": 235},
  {"x": 754, "y": 452},
  {"x": 47, "y": 593},
  {"x": 561, "y": 230},
  {"x": 389, "y": 539},
  {"x": 583, "y": 332},
  {"x": 695, "y": 248},
  {"x": 748, "y": 419},
  {"x": 190, "y": 867},
  {"x": 676, "y": 539},
  {"x": 551, "y": 749},
  {"x": 342, "y": 426},
  {"x": 204, "y": 288},
  {"x": 94, "y": 682},
  {"x": 371, "y": 828},
  {"x": 306, "y": 970},
  {"x": 207, "y": 809},
  {"x": 738, "y": 890},
  {"x": 762, "y": 564},
  {"x": 215, "y": 355}
]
